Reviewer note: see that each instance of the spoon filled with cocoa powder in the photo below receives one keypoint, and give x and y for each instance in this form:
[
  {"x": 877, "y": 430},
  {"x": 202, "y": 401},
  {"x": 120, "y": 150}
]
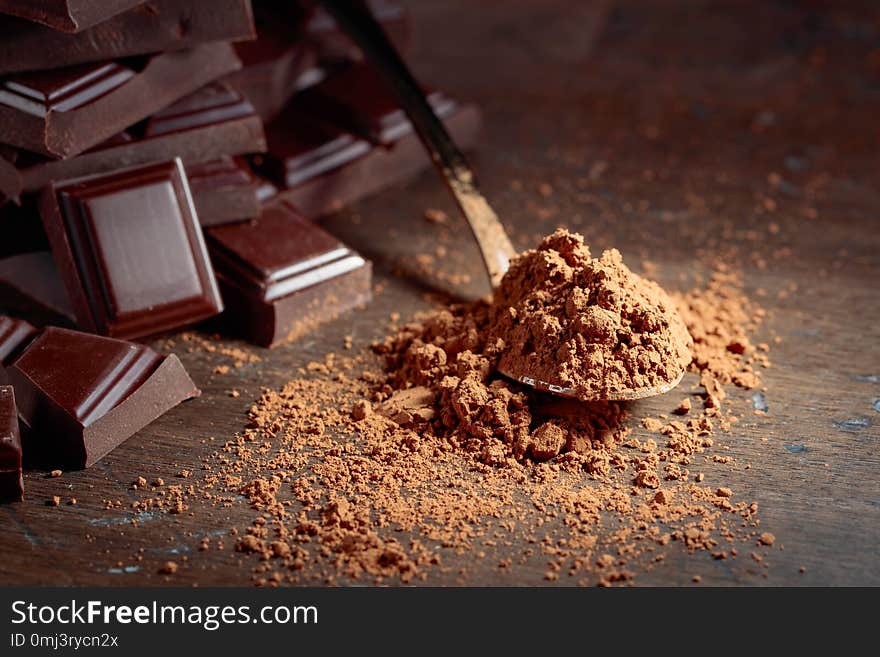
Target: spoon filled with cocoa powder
[{"x": 564, "y": 322}]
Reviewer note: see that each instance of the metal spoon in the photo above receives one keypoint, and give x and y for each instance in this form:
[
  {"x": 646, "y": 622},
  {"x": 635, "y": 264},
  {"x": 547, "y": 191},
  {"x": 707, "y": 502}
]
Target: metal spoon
[{"x": 358, "y": 22}]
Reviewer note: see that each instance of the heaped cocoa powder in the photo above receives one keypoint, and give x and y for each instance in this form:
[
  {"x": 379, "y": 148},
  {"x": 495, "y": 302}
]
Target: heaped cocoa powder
[
  {"x": 586, "y": 324},
  {"x": 388, "y": 466}
]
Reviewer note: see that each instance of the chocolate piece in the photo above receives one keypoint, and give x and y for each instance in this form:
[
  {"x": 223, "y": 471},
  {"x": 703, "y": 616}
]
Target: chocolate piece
[
  {"x": 301, "y": 148},
  {"x": 63, "y": 112},
  {"x": 281, "y": 275},
  {"x": 15, "y": 335},
  {"x": 67, "y": 15},
  {"x": 326, "y": 176},
  {"x": 208, "y": 124},
  {"x": 223, "y": 191},
  {"x": 274, "y": 67},
  {"x": 130, "y": 251},
  {"x": 359, "y": 100},
  {"x": 160, "y": 26},
  {"x": 11, "y": 482},
  {"x": 81, "y": 395},
  {"x": 32, "y": 280},
  {"x": 332, "y": 43}
]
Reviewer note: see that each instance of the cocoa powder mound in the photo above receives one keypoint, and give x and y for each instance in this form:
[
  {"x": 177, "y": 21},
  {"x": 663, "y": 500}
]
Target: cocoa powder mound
[{"x": 586, "y": 324}]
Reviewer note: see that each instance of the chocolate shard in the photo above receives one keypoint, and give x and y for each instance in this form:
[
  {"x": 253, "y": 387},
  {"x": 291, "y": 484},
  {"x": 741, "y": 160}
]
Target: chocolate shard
[
  {"x": 224, "y": 191},
  {"x": 62, "y": 112},
  {"x": 321, "y": 169},
  {"x": 160, "y": 26},
  {"x": 130, "y": 251},
  {"x": 360, "y": 101},
  {"x": 302, "y": 148},
  {"x": 81, "y": 395},
  {"x": 29, "y": 283},
  {"x": 275, "y": 66},
  {"x": 210, "y": 105},
  {"x": 11, "y": 481},
  {"x": 15, "y": 335},
  {"x": 212, "y": 122},
  {"x": 281, "y": 275},
  {"x": 67, "y": 15}
]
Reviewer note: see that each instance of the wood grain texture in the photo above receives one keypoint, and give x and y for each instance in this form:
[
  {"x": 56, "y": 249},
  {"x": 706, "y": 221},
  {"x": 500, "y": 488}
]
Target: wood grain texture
[{"x": 699, "y": 132}]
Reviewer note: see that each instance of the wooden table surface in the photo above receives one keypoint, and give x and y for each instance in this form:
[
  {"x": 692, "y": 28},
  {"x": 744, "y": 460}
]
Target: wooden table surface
[{"x": 734, "y": 132}]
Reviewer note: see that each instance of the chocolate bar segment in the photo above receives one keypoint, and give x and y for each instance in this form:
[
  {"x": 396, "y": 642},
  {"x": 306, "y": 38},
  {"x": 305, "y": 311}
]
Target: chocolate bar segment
[
  {"x": 301, "y": 148},
  {"x": 130, "y": 251},
  {"x": 281, "y": 275},
  {"x": 223, "y": 191},
  {"x": 359, "y": 100},
  {"x": 66, "y": 15},
  {"x": 274, "y": 67},
  {"x": 63, "y": 112},
  {"x": 15, "y": 335},
  {"x": 11, "y": 482},
  {"x": 321, "y": 170},
  {"x": 206, "y": 125},
  {"x": 80, "y": 395},
  {"x": 160, "y": 26}
]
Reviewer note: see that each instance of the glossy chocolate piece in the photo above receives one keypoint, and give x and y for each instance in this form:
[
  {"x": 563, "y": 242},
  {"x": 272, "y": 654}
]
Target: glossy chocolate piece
[
  {"x": 63, "y": 112},
  {"x": 206, "y": 125},
  {"x": 80, "y": 395},
  {"x": 359, "y": 100},
  {"x": 281, "y": 275},
  {"x": 66, "y": 15},
  {"x": 15, "y": 335},
  {"x": 130, "y": 251},
  {"x": 275, "y": 66},
  {"x": 11, "y": 482},
  {"x": 330, "y": 176},
  {"x": 160, "y": 26},
  {"x": 30, "y": 283},
  {"x": 301, "y": 148},
  {"x": 224, "y": 191}
]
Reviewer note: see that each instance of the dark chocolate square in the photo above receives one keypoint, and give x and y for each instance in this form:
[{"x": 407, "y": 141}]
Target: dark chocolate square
[
  {"x": 130, "y": 251},
  {"x": 281, "y": 275},
  {"x": 80, "y": 395},
  {"x": 63, "y": 89}
]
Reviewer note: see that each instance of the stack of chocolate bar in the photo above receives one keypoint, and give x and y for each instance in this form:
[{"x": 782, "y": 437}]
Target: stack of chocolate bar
[{"x": 163, "y": 163}]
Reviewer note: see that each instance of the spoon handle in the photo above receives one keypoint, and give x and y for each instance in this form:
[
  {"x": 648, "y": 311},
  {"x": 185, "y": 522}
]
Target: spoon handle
[{"x": 357, "y": 21}]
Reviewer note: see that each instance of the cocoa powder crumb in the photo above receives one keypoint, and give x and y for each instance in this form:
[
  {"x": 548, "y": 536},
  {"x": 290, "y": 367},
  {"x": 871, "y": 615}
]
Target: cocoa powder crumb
[
  {"x": 767, "y": 538},
  {"x": 683, "y": 407},
  {"x": 168, "y": 568}
]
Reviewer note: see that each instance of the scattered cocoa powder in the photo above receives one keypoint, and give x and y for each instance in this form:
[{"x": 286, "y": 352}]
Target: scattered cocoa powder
[{"x": 376, "y": 466}]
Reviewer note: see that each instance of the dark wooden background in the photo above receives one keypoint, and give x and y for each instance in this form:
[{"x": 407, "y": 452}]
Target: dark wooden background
[{"x": 680, "y": 132}]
